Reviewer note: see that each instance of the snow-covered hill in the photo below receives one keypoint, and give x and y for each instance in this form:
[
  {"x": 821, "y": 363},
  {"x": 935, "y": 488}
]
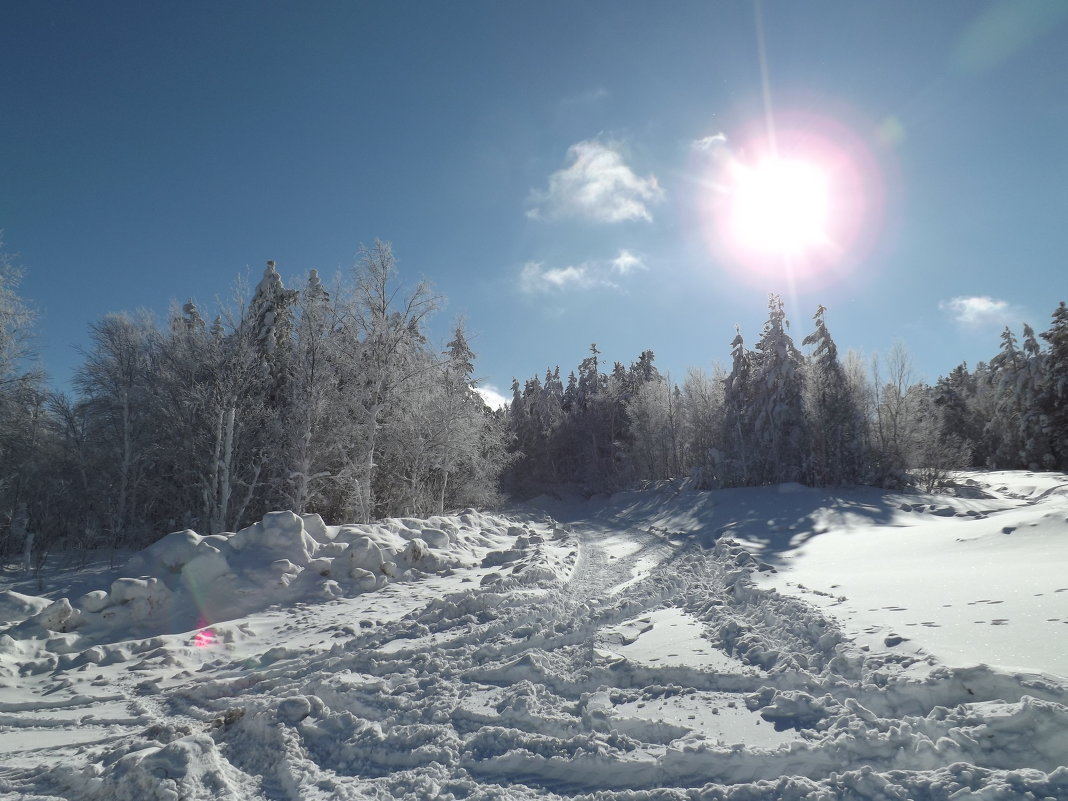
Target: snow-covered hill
[{"x": 774, "y": 643}]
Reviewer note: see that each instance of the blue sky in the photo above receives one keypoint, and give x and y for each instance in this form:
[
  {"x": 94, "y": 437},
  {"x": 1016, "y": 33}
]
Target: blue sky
[{"x": 551, "y": 167}]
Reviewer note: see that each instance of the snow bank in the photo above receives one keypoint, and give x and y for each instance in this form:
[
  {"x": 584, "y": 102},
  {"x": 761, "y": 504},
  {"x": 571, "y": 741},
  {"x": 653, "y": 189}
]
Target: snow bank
[{"x": 186, "y": 581}]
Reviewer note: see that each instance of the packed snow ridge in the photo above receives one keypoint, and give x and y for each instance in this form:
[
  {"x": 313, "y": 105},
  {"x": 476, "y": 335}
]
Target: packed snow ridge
[{"x": 771, "y": 643}]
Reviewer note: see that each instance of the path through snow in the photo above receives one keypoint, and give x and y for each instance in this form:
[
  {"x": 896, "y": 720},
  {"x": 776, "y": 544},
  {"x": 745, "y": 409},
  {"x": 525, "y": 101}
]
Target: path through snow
[{"x": 640, "y": 652}]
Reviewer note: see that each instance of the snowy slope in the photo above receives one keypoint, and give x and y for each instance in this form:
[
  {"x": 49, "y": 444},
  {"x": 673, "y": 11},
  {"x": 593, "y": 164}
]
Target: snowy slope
[{"x": 781, "y": 643}]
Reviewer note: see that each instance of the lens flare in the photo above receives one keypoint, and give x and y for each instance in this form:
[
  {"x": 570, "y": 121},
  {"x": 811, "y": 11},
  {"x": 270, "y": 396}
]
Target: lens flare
[
  {"x": 803, "y": 205},
  {"x": 206, "y": 636}
]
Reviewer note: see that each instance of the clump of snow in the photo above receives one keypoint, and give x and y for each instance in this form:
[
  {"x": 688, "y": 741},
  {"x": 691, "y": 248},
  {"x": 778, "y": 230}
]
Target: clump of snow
[{"x": 16, "y": 607}]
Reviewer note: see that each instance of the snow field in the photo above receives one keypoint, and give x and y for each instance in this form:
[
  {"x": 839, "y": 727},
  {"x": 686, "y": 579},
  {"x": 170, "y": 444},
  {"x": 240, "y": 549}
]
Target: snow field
[{"x": 657, "y": 647}]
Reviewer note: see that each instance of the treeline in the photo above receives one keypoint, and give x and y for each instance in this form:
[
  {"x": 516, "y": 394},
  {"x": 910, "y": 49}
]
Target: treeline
[
  {"x": 1012, "y": 412},
  {"x": 335, "y": 402},
  {"x": 779, "y": 415},
  {"x": 303, "y": 399}
]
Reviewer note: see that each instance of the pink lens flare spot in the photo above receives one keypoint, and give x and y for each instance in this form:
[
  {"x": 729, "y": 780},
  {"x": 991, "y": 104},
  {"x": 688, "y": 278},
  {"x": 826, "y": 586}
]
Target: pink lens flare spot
[{"x": 204, "y": 638}]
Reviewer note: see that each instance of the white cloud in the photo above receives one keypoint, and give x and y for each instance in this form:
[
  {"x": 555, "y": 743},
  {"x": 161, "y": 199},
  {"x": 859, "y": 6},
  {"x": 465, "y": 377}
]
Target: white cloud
[
  {"x": 535, "y": 277},
  {"x": 979, "y": 310},
  {"x": 596, "y": 185},
  {"x": 626, "y": 262},
  {"x": 493, "y": 398},
  {"x": 710, "y": 142}
]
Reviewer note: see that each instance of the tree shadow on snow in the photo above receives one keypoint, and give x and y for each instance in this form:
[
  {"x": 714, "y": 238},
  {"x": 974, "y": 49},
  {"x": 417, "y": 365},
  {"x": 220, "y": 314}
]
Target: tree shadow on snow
[{"x": 770, "y": 521}]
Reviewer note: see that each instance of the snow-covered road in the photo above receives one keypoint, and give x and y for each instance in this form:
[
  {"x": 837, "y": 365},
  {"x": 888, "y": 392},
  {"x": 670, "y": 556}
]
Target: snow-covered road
[{"x": 610, "y": 657}]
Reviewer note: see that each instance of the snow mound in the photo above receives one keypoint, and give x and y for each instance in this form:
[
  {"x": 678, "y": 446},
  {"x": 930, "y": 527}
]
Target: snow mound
[
  {"x": 186, "y": 581},
  {"x": 16, "y": 607}
]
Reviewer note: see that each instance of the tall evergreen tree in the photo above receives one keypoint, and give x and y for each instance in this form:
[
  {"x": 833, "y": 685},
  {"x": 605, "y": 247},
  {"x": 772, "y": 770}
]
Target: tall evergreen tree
[
  {"x": 739, "y": 463},
  {"x": 836, "y": 424},
  {"x": 778, "y": 422},
  {"x": 1055, "y": 386}
]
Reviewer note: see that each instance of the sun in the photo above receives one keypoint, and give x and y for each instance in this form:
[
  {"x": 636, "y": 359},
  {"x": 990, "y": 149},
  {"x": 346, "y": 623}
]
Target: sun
[
  {"x": 803, "y": 206},
  {"x": 779, "y": 206}
]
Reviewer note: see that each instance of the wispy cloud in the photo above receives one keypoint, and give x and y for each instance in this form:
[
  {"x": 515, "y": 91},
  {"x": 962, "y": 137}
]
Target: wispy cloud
[
  {"x": 981, "y": 310},
  {"x": 596, "y": 185},
  {"x": 536, "y": 278},
  {"x": 706, "y": 143},
  {"x": 492, "y": 396},
  {"x": 627, "y": 262},
  {"x": 588, "y": 97}
]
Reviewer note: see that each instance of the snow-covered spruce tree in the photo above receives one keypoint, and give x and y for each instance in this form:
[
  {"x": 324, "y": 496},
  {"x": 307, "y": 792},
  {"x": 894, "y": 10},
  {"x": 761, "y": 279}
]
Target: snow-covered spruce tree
[
  {"x": 1001, "y": 432},
  {"x": 1055, "y": 387},
  {"x": 737, "y": 464},
  {"x": 522, "y": 442},
  {"x": 542, "y": 437},
  {"x": 779, "y": 430},
  {"x": 963, "y": 404},
  {"x": 312, "y": 410},
  {"x": 267, "y": 327},
  {"x": 590, "y": 438},
  {"x": 932, "y": 454},
  {"x": 579, "y": 435},
  {"x": 837, "y": 430},
  {"x": 1034, "y": 439},
  {"x": 608, "y": 425},
  {"x": 544, "y": 441},
  {"x": 550, "y": 415},
  {"x": 469, "y": 448}
]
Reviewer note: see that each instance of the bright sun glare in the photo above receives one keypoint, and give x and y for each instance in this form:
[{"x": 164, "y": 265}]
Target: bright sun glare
[
  {"x": 803, "y": 206},
  {"x": 780, "y": 206}
]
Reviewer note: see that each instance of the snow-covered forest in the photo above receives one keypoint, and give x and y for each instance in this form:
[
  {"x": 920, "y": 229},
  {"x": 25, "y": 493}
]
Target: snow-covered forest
[
  {"x": 779, "y": 414},
  {"x": 333, "y": 400},
  {"x": 308, "y": 398}
]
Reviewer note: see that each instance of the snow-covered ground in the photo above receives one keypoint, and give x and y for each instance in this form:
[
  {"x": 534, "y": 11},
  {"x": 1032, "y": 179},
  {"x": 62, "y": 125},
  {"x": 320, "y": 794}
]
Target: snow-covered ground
[{"x": 772, "y": 643}]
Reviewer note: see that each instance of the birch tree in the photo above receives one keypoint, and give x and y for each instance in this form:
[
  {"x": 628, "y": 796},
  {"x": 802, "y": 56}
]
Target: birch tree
[
  {"x": 385, "y": 328},
  {"x": 114, "y": 385}
]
